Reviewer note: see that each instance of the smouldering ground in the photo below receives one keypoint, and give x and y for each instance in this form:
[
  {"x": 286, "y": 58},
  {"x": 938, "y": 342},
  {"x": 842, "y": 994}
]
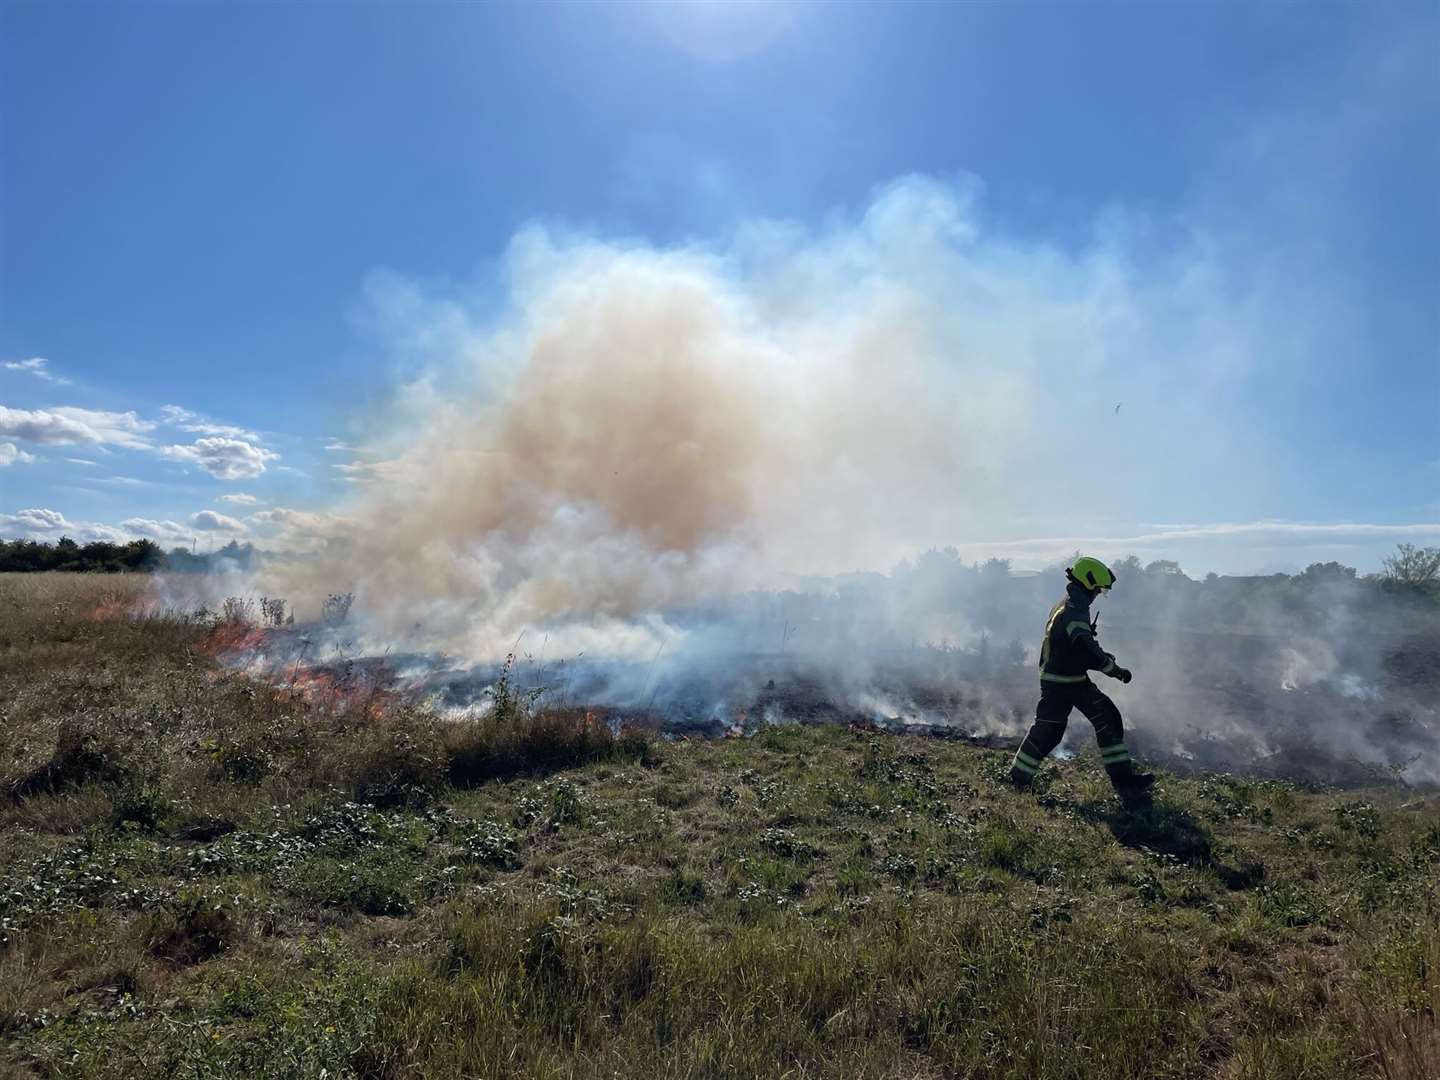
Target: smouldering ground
[{"x": 203, "y": 875}]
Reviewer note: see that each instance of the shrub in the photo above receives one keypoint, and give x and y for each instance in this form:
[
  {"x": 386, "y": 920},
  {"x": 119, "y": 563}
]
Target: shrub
[
  {"x": 513, "y": 742},
  {"x": 139, "y": 805},
  {"x": 238, "y": 611}
]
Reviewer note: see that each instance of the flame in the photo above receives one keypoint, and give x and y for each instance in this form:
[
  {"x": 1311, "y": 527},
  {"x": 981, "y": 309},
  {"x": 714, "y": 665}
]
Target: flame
[
  {"x": 229, "y": 642},
  {"x": 343, "y": 692}
]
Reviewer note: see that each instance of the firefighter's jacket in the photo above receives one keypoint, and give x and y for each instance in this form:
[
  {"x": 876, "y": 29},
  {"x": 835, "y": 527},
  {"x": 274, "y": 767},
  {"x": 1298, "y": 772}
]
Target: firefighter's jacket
[{"x": 1070, "y": 648}]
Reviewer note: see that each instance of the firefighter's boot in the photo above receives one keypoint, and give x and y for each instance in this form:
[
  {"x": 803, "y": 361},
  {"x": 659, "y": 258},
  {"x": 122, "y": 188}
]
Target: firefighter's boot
[
  {"x": 1134, "y": 788},
  {"x": 1130, "y": 784}
]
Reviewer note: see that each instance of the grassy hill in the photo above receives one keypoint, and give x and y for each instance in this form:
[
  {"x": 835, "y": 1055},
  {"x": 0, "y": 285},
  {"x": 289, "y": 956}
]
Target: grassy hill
[{"x": 206, "y": 875}]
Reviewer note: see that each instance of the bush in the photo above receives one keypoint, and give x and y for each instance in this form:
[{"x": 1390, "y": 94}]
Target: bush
[
  {"x": 513, "y": 743},
  {"x": 140, "y": 806}
]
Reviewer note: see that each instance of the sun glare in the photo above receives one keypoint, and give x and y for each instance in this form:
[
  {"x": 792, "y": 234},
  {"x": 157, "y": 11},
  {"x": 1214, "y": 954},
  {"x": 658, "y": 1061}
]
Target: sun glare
[{"x": 718, "y": 30}]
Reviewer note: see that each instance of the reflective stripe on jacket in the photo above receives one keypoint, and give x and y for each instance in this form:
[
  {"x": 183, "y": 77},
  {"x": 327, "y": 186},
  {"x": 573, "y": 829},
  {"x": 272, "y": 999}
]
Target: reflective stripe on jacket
[{"x": 1070, "y": 648}]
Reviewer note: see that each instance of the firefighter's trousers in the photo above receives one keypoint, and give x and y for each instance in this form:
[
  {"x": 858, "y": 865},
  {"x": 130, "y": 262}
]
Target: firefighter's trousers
[{"x": 1052, "y": 714}]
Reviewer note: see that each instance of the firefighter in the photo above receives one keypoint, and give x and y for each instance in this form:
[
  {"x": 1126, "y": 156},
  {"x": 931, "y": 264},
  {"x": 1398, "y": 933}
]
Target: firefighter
[{"x": 1068, "y": 654}]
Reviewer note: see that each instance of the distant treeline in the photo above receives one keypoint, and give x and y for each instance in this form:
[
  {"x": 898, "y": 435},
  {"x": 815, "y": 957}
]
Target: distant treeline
[{"x": 103, "y": 557}]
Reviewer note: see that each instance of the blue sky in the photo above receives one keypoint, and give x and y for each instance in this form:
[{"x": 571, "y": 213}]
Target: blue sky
[{"x": 232, "y": 234}]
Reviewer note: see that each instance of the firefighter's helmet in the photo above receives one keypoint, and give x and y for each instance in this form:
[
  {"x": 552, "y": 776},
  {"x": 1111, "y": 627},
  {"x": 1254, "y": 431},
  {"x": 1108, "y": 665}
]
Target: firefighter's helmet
[{"x": 1092, "y": 573}]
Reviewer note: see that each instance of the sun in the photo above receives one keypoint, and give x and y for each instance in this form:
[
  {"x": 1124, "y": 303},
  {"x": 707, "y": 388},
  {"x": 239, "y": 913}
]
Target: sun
[{"x": 724, "y": 30}]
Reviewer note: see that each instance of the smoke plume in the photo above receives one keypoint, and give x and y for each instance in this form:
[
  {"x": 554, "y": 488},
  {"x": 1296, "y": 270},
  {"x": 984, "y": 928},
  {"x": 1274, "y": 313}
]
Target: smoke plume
[
  {"x": 644, "y": 428},
  {"x": 686, "y": 465}
]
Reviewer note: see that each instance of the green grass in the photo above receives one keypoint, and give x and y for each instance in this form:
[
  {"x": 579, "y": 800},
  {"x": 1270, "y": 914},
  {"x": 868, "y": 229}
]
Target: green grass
[{"x": 204, "y": 876}]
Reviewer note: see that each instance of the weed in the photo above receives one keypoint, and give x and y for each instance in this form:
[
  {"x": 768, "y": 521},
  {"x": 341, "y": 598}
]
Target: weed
[
  {"x": 336, "y": 608},
  {"x": 272, "y": 612},
  {"x": 786, "y": 844},
  {"x": 567, "y": 803},
  {"x": 1288, "y": 904},
  {"x": 490, "y": 844},
  {"x": 193, "y": 927},
  {"x": 899, "y": 866},
  {"x": 140, "y": 806},
  {"x": 237, "y": 611},
  {"x": 370, "y": 884},
  {"x": 1360, "y": 818}
]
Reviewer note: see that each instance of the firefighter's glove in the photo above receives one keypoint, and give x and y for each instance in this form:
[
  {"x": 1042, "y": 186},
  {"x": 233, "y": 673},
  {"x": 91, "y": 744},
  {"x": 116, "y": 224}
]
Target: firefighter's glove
[{"x": 1121, "y": 673}]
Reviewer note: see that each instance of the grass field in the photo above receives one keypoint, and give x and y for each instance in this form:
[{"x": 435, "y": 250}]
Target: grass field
[{"x": 204, "y": 875}]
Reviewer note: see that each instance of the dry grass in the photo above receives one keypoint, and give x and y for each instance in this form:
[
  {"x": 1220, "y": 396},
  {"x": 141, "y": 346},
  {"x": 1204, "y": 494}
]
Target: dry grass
[{"x": 205, "y": 875}]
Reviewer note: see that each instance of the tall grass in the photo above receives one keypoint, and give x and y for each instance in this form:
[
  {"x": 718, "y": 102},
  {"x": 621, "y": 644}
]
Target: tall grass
[
  {"x": 97, "y": 694},
  {"x": 207, "y": 875}
]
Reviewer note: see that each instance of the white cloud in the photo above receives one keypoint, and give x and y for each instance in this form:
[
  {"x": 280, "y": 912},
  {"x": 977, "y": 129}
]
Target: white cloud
[
  {"x": 37, "y": 366},
  {"x": 50, "y": 525},
  {"x": 35, "y": 520},
  {"x": 186, "y": 420},
  {"x": 40, "y": 426},
  {"x": 210, "y": 521},
  {"x": 223, "y": 458},
  {"x": 223, "y": 451},
  {"x": 11, "y": 454},
  {"x": 81, "y": 461},
  {"x": 69, "y": 425},
  {"x": 164, "y": 532},
  {"x": 44, "y": 524},
  {"x": 115, "y": 428},
  {"x": 239, "y": 499},
  {"x": 336, "y": 446}
]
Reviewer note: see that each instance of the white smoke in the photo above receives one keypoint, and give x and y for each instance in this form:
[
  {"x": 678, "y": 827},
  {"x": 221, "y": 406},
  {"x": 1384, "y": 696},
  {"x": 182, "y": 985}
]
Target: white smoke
[{"x": 641, "y": 428}]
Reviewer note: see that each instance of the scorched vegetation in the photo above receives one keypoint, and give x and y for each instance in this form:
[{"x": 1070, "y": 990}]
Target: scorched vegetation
[{"x": 202, "y": 874}]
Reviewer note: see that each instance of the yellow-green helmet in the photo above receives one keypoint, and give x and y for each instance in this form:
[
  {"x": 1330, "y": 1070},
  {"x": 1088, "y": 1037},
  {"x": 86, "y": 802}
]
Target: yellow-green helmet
[{"x": 1092, "y": 573}]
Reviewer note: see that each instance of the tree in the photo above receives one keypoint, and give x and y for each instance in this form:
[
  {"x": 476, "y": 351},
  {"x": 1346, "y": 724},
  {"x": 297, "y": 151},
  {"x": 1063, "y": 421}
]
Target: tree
[
  {"x": 1416, "y": 567},
  {"x": 994, "y": 569},
  {"x": 1164, "y": 566},
  {"x": 1318, "y": 572},
  {"x": 1128, "y": 567},
  {"x": 98, "y": 556}
]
